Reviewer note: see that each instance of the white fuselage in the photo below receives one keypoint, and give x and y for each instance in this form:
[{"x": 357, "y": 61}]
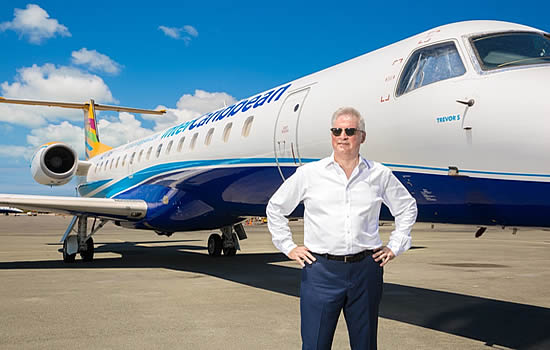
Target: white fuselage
[{"x": 502, "y": 136}]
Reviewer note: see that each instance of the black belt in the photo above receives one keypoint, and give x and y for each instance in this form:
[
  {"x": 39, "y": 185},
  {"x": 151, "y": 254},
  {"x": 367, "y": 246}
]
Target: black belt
[{"x": 348, "y": 258}]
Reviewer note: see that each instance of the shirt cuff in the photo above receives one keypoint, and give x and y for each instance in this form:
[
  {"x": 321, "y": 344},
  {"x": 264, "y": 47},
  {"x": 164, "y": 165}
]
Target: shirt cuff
[
  {"x": 399, "y": 243},
  {"x": 287, "y": 247}
]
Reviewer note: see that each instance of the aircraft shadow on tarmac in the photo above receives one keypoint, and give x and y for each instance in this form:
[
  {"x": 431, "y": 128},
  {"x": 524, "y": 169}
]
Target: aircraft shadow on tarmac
[{"x": 494, "y": 322}]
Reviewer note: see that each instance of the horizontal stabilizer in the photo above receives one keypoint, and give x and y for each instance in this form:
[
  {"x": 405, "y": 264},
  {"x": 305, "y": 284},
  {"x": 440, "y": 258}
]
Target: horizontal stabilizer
[{"x": 97, "y": 107}]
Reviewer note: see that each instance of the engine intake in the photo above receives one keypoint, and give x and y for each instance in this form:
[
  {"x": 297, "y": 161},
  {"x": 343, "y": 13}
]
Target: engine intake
[{"x": 54, "y": 164}]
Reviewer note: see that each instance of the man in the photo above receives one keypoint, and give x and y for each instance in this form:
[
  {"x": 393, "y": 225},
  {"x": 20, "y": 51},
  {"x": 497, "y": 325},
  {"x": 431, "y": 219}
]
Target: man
[{"x": 342, "y": 257}]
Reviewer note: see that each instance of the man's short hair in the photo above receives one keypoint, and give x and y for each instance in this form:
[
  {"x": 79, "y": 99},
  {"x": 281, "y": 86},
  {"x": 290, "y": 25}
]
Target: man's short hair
[{"x": 349, "y": 111}]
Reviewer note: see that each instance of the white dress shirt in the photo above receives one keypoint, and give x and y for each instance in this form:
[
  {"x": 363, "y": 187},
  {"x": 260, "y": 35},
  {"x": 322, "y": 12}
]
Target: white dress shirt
[{"x": 341, "y": 215}]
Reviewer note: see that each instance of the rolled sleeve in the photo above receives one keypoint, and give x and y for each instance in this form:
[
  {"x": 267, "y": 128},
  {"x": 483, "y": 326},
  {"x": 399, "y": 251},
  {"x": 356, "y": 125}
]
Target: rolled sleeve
[{"x": 403, "y": 207}]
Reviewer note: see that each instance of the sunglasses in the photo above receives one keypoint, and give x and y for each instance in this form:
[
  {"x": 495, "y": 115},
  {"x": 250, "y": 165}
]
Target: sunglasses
[{"x": 349, "y": 131}]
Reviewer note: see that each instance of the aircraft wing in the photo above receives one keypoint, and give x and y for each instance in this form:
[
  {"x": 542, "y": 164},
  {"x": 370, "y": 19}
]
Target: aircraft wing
[
  {"x": 122, "y": 209},
  {"x": 10, "y": 210}
]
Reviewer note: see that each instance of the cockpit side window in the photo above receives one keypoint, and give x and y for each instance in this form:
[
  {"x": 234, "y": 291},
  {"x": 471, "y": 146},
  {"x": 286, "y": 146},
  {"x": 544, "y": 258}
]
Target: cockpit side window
[
  {"x": 429, "y": 65},
  {"x": 511, "y": 49}
]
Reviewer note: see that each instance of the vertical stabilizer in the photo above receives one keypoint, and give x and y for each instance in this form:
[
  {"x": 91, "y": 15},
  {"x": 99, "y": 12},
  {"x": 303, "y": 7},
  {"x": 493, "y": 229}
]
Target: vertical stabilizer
[{"x": 93, "y": 146}]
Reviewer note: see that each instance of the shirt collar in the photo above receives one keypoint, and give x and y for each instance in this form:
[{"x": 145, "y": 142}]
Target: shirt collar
[{"x": 363, "y": 163}]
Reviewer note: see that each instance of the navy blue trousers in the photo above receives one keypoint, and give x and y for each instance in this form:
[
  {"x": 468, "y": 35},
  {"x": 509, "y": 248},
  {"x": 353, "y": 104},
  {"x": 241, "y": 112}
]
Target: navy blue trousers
[{"x": 329, "y": 286}]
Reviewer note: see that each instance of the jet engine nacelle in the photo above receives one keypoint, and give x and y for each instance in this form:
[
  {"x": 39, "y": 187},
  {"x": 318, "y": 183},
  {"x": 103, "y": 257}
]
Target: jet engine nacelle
[{"x": 54, "y": 164}]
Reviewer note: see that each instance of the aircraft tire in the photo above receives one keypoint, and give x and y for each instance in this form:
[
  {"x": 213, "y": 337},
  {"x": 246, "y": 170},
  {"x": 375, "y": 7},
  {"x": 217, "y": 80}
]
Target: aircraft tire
[
  {"x": 67, "y": 258},
  {"x": 215, "y": 245},
  {"x": 88, "y": 255},
  {"x": 229, "y": 251}
]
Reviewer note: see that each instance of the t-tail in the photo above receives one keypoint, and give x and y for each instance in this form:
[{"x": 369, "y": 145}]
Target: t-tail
[{"x": 93, "y": 145}]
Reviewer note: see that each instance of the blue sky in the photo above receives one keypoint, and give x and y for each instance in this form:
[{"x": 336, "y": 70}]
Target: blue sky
[{"x": 187, "y": 56}]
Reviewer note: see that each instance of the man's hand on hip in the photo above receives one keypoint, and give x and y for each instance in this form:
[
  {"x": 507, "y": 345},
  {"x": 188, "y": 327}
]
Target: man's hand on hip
[
  {"x": 301, "y": 254},
  {"x": 383, "y": 256}
]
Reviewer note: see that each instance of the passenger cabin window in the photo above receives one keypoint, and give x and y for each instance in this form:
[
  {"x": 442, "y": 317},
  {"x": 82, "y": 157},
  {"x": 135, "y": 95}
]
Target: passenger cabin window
[
  {"x": 169, "y": 147},
  {"x": 208, "y": 138},
  {"x": 429, "y": 65},
  {"x": 247, "y": 125},
  {"x": 501, "y": 50},
  {"x": 124, "y": 159},
  {"x": 149, "y": 151},
  {"x": 139, "y": 157},
  {"x": 227, "y": 132},
  {"x": 132, "y": 158},
  {"x": 180, "y": 144},
  {"x": 193, "y": 141},
  {"x": 117, "y": 160},
  {"x": 159, "y": 149}
]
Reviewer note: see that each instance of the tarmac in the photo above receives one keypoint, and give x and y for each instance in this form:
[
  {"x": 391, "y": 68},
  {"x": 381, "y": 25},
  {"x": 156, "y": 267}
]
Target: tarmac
[{"x": 143, "y": 291}]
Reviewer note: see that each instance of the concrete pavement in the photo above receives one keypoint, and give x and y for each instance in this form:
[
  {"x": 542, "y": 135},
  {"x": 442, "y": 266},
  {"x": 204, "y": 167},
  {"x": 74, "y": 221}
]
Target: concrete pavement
[{"x": 451, "y": 291}]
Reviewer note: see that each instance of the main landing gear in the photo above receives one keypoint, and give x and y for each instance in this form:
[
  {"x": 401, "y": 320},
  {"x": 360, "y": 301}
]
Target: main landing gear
[
  {"x": 82, "y": 242},
  {"x": 228, "y": 242}
]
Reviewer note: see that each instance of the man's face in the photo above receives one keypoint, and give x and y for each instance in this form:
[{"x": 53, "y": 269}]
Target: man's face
[{"x": 344, "y": 145}]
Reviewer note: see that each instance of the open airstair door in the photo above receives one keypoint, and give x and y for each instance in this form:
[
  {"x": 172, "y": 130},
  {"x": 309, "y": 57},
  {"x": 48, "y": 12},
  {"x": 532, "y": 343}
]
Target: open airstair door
[{"x": 286, "y": 130}]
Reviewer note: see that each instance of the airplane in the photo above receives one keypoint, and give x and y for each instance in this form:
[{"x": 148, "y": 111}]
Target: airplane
[
  {"x": 459, "y": 113},
  {"x": 10, "y": 210}
]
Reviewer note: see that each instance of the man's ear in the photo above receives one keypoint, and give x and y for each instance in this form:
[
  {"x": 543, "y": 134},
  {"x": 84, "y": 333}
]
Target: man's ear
[{"x": 364, "y": 137}]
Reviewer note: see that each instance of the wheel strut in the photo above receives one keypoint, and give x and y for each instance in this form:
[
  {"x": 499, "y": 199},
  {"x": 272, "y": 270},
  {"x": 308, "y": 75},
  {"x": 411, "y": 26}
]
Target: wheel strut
[{"x": 82, "y": 242}]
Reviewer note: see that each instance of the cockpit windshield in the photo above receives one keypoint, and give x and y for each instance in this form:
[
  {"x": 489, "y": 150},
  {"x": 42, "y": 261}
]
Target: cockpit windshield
[{"x": 511, "y": 49}]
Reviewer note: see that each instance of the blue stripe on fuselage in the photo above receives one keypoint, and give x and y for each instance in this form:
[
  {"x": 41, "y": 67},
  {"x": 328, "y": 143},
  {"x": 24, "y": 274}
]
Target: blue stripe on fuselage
[
  {"x": 86, "y": 188},
  {"x": 222, "y": 196},
  {"x": 160, "y": 169},
  {"x": 200, "y": 196}
]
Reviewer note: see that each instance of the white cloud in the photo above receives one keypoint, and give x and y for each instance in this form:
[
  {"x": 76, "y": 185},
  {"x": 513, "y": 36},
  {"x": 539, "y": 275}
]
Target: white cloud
[
  {"x": 185, "y": 33},
  {"x": 171, "y": 31},
  {"x": 114, "y": 132},
  {"x": 63, "y": 132},
  {"x": 34, "y": 23},
  {"x": 127, "y": 128},
  {"x": 204, "y": 101},
  {"x": 29, "y": 116},
  {"x": 118, "y": 130},
  {"x": 171, "y": 118},
  {"x": 189, "y": 107},
  {"x": 191, "y": 30},
  {"x": 49, "y": 82},
  {"x": 95, "y": 61},
  {"x": 10, "y": 151}
]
